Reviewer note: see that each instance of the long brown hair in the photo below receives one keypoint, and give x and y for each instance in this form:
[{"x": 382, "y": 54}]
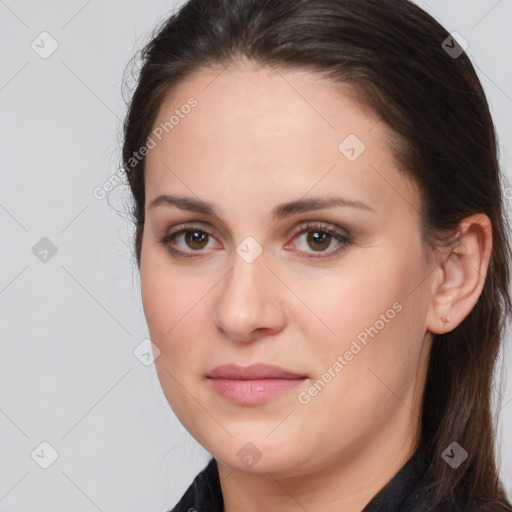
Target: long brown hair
[{"x": 396, "y": 57}]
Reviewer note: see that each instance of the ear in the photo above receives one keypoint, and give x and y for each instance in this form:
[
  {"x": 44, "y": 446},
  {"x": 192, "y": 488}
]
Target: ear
[{"x": 462, "y": 270}]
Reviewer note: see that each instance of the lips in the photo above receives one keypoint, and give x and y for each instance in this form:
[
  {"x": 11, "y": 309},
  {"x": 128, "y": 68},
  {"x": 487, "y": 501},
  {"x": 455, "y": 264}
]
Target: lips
[
  {"x": 254, "y": 371},
  {"x": 252, "y": 385}
]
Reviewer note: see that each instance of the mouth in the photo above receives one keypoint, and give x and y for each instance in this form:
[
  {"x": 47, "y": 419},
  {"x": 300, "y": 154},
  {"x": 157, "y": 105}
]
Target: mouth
[{"x": 252, "y": 385}]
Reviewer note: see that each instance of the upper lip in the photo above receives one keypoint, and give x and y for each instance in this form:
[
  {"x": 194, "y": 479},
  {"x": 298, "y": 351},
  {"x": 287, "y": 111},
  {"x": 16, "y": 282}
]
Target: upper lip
[{"x": 254, "y": 371}]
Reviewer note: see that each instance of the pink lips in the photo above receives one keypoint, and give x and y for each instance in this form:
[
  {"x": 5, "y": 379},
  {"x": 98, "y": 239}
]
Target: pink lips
[{"x": 253, "y": 384}]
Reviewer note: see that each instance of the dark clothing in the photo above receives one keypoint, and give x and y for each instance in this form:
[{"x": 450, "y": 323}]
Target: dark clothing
[{"x": 405, "y": 492}]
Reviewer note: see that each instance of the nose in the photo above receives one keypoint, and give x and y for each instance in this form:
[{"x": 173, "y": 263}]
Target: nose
[{"x": 249, "y": 305}]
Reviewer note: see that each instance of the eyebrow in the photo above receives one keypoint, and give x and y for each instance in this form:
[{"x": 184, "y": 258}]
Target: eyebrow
[{"x": 279, "y": 212}]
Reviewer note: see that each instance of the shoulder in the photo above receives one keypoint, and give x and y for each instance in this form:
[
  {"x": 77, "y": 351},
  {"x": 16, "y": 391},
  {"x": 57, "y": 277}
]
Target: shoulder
[
  {"x": 204, "y": 493},
  {"x": 423, "y": 503},
  {"x": 473, "y": 508}
]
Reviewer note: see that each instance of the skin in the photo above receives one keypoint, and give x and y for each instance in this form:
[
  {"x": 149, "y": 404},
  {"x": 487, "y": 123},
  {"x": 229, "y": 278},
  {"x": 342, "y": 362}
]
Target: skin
[{"x": 258, "y": 138}]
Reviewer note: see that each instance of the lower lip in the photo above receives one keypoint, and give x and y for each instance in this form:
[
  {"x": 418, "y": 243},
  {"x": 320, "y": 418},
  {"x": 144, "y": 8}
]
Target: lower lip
[{"x": 253, "y": 392}]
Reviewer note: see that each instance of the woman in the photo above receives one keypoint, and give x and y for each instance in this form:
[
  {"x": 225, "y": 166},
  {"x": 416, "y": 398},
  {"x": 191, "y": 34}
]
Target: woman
[{"x": 323, "y": 254}]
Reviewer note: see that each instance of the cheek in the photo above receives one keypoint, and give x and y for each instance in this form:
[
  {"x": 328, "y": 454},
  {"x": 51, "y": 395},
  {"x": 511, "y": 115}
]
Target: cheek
[
  {"x": 375, "y": 312},
  {"x": 174, "y": 304},
  {"x": 371, "y": 291},
  {"x": 164, "y": 300},
  {"x": 173, "y": 313},
  {"x": 164, "y": 295}
]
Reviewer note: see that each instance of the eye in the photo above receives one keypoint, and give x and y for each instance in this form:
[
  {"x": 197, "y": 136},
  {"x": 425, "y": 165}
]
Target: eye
[
  {"x": 187, "y": 241},
  {"x": 320, "y": 238},
  {"x": 191, "y": 237}
]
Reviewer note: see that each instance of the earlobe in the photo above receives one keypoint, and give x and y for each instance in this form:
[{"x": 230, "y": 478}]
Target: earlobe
[{"x": 463, "y": 269}]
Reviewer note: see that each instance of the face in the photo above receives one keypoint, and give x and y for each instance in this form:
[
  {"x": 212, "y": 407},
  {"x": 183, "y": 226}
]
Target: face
[{"x": 298, "y": 246}]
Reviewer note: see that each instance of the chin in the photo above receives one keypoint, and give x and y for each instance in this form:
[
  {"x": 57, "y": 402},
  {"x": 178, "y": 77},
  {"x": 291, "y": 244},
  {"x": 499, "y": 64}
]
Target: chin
[{"x": 259, "y": 457}]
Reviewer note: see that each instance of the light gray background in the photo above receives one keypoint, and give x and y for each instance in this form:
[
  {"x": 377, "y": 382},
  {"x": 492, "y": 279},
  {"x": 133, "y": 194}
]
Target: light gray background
[{"x": 68, "y": 374}]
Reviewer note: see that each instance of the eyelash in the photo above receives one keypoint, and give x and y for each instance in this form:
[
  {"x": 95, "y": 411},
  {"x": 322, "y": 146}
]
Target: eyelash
[{"x": 345, "y": 241}]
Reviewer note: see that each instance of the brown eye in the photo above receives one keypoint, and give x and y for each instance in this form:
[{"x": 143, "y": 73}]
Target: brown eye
[
  {"x": 187, "y": 242},
  {"x": 319, "y": 240},
  {"x": 196, "y": 239}
]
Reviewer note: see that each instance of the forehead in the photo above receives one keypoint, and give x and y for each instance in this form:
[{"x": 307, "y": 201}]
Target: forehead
[
  {"x": 257, "y": 128},
  {"x": 255, "y": 104}
]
